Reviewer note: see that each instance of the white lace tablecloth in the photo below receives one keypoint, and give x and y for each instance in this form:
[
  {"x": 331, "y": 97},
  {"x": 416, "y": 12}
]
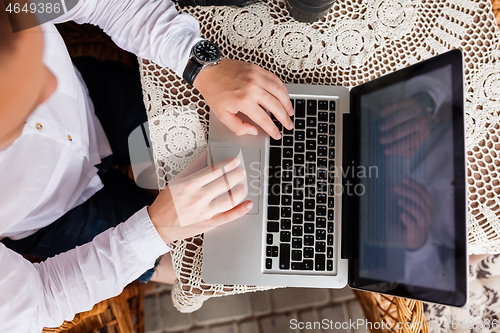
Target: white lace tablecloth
[{"x": 356, "y": 42}]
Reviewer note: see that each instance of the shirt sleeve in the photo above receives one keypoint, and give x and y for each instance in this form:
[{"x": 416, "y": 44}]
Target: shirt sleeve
[
  {"x": 45, "y": 294},
  {"x": 151, "y": 29}
]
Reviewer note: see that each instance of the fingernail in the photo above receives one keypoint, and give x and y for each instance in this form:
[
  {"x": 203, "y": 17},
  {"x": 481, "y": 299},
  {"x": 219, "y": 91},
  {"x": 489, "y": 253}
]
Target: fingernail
[
  {"x": 291, "y": 125},
  {"x": 278, "y": 136},
  {"x": 249, "y": 205},
  {"x": 252, "y": 132},
  {"x": 291, "y": 112}
]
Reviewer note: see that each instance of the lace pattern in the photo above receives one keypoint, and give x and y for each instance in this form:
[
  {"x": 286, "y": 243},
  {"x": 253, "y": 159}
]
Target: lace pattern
[{"x": 356, "y": 42}]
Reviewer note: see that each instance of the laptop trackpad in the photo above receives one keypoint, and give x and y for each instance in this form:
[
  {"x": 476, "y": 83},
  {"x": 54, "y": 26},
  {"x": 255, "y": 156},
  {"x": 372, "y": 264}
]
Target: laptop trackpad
[{"x": 251, "y": 159}]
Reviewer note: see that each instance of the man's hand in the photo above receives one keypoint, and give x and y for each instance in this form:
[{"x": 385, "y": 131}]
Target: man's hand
[
  {"x": 194, "y": 203},
  {"x": 234, "y": 86},
  {"x": 417, "y": 212},
  {"x": 405, "y": 127}
]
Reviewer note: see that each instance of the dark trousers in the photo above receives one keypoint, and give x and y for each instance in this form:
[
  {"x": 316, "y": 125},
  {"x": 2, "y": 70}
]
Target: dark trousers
[{"x": 116, "y": 92}]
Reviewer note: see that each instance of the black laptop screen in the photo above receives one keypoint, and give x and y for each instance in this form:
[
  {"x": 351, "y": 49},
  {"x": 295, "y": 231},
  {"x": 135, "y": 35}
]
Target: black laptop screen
[{"x": 410, "y": 170}]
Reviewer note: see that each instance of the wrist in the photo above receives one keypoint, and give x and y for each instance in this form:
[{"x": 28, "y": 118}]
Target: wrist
[{"x": 163, "y": 216}]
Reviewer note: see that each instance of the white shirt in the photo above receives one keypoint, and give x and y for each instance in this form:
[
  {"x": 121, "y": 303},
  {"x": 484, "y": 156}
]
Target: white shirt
[{"x": 50, "y": 169}]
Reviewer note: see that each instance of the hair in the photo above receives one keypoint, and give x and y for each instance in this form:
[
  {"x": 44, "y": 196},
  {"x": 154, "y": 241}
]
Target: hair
[{"x": 7, "y": 37}]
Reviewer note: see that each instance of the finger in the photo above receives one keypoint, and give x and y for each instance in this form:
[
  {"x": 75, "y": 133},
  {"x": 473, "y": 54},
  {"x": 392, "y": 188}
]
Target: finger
[
  {"x": 410, "y": 194},
  {"x": 231, "y": 214},
  {"x": 227, "y": 202},
  {"x": 398, "y": 119},
  {"x": 225, "y": 184},
  {"x": 387, "y": 111},
  {"x": 408, "y": 221},
  {"x": 414, "y": 211},
  {"x": 277, "y": 89},
  {"x": 236, "y": 125},
  {"x": 421, "y": 190},
  {"x": 213, "y": 172},
  {"x": 261, "y": 118},
  {"x": 402, "y": 147},
  {"x": 270, "y": 103}
]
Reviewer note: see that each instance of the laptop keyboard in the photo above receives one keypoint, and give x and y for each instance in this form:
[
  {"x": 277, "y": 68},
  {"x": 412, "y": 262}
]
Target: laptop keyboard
[{"x": 300, "y": 227}]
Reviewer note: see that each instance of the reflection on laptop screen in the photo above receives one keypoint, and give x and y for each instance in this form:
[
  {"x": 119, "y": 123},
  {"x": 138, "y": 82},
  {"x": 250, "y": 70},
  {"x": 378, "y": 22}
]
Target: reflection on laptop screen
[{"x": 407, "y": 211}]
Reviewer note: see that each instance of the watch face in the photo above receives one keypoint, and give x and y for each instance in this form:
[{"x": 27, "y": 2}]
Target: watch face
[{"x": 206, "y": 51}]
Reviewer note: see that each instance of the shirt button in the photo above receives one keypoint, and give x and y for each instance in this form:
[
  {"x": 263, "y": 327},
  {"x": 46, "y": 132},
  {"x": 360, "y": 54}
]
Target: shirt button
[
  {"x": 70, "y": 138},
  {"x": 39, "y": 126}
]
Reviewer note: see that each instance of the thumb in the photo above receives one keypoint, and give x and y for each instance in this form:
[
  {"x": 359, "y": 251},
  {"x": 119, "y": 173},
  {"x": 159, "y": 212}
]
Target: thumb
[{"x": 236, "y": 125}]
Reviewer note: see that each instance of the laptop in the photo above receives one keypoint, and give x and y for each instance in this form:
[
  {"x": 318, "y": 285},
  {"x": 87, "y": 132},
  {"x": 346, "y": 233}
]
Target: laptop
[{"x": 368, "y": 190}]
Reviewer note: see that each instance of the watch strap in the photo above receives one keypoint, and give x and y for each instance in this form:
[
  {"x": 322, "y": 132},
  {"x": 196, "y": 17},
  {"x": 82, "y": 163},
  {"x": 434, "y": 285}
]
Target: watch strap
[{"x": 191, "y": 71}]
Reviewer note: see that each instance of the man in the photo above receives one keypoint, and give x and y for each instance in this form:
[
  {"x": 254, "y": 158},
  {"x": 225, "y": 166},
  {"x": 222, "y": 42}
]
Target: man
[{"x": 52, "y": 141}]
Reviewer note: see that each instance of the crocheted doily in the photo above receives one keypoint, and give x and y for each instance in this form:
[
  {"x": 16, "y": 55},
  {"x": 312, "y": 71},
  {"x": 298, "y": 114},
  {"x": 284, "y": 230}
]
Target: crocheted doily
[{"x": 356, "y": 42}]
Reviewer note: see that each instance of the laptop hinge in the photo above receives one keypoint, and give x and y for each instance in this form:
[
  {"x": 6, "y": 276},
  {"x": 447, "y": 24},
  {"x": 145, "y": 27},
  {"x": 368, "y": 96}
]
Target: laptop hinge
[{"x": 347, "y": 200}]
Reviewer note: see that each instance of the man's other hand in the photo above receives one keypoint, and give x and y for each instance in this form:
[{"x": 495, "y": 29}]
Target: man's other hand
[{"x": 235, "y": 86}]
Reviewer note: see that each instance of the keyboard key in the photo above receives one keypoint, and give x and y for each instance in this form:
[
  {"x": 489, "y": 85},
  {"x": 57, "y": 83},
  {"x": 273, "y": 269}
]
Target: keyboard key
[
  {"x": 322, "y": 105},
  {"x": 297, "y": 255},
  {"x": 329, "y": 241},
  {"x": 310, "y": 192},
  {"x": 308, "y": 228},
  {"x": 308, "y": 240},
  {"x": 300, "y": 147},
  {"x": 285, "y": 236},
  {"x": 298, "y": 171},
  {"x": 286, "y": 224},
  {"x": 309, "y": 216},
  {"x": 269, "y": 263},
  {"x": 311, "y": 133},
  {"x": 323, "y": 128},
  {"x": 297, "y": 243},
  {"x": 286, "y": 212},
  {"x": 321, "y": 209},
  {"x": 329, "y": 265},
  {"x": 287, "y": 140},
  {"x": 302, "y": 266},
  {"x": 287, "y": 175},
  {"x": 322, "y": 175},
  {"x": 298, "y": 206},
  {"x": 330, "y": 203},
  {"x": 311, "y": 122},
  {"x": 308, "y": 252},
  {"x": 299, "y": 158},
  {"x": 330, "y": 227},
  {"x": 320, "y": 247},
  {"x": 320, "y": 222},
  {"x": 332, "y": 129},
  {"x": 319, "y": 261},
  {"x": 310, "y": 180},
  {"x": 298, "y": 194},
  {"x": 298, "y": 182},
  {"x": 310, "y": 168},
  {"x": 322, "y": 116},
  {"x": 331, "y": 141},
  {"x": 300, "y": 135},
  {"x": 330, "y": 215},
  {"x": 331, "y": 166},
  {"x": 300, "y": 124},
  {"x": 273, "y": 142},
  {"x": 273, "y": 227},
  {"x": 298, "y": 219},
  {"x": 271, "y": 251},
  {"x": 273, "y": 213},
  {"x": 274, "y": 156},
  {"x": 284, "y": 256},
  {"x": 297, "y": 230},
  {"x": 311, "y": 107},
  {"x": 331, "y": 153},
  {"x": 322, "y": 151},
  {"x": 309, "y": 204},
  {"x": 321, "y": 187},
  {"x": 300, "y": 108},
  {"x": 308, "y": 265},
  {"x": 286, "y": 188},
  {"x": 332, "y": 118},
  {"x": 269, "y": 240},
  {"x": 329, "y": 252},
  {"x": 311, "y": 156},
  {"x": 287, "y": 153},
  {"x": 287, "y": 164},
  {"x": 272, "y": 198},
  {"x": 320, "y": 199},
  {"x": 311, "y": 145},
  {"x": 332, "y": 105},
  {"x": 286, "y": 200},
  {"x": 321, "y": 234},
  {"x": 322, "y": 163},
  {"x": 331, "y": 190}
]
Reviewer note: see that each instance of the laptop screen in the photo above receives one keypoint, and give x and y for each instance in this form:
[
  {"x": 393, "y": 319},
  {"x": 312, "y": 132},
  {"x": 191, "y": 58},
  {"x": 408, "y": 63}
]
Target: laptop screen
[{"x": 408, "y": 182}]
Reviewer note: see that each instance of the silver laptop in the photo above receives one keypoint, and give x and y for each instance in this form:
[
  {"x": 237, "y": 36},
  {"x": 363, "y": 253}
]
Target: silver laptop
[{"x": 367, "y": 189}]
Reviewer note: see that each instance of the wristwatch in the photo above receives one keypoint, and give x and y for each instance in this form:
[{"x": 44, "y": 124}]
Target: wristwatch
[{"x": 203, "y": 54}]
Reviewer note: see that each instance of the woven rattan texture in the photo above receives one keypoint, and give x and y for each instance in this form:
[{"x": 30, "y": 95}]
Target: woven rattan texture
[{"x": 356, "y": 42}]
